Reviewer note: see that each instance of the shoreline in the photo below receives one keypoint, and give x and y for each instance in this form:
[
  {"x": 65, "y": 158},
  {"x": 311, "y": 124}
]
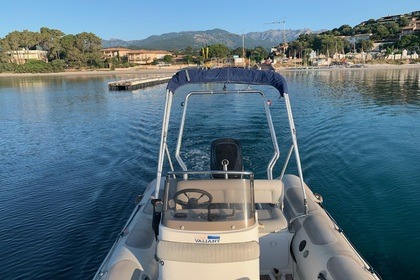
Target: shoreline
[
  {"x": 341, "y": 68},
  {"x": 155, "y": 70}
]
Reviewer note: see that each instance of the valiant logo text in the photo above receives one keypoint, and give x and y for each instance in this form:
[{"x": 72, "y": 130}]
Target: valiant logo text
[{"x": 207, "y": 239}]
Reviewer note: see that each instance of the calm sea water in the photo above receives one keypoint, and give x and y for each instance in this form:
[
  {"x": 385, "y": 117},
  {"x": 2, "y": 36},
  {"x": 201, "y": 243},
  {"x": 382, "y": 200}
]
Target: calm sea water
[{"x": 74, "y": 155}]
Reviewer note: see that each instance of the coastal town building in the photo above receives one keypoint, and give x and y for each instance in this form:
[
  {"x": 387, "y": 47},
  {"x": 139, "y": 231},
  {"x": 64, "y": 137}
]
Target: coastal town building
[
  {"x": 412, "y": 27},
  {"x": 378, "y": 50},
  {"x": 22, "y": 56},
  {"x": 135, "y": 56},
  {"x": 389, "y": 18},
  {"x": 357, "y": 38},
  {"x": 403, "y": 55},
  {"x": 395, "y": 18}
]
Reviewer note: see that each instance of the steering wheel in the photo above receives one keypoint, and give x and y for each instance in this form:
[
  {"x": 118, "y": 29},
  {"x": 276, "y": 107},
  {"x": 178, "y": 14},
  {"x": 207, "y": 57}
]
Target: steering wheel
[{"x": 192, "y": 200}]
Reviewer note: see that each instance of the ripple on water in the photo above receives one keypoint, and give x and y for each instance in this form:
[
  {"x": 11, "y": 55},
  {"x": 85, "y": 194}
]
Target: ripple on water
[{"x": 75, "y": 155}]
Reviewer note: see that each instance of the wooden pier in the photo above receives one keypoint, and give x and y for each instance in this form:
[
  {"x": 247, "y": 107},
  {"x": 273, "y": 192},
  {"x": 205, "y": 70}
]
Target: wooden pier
[{"x": 133, "y": 84}]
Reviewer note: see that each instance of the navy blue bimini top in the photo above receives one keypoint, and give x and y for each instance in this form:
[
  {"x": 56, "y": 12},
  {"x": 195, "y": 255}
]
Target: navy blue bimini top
[{"x": 228, "y": 75}]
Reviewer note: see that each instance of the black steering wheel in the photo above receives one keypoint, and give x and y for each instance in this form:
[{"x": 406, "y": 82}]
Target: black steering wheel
[{"x": 193, "y": 201}]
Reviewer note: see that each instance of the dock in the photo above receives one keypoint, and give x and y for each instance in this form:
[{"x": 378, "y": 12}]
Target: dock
[{"x": 133, "y": 84}]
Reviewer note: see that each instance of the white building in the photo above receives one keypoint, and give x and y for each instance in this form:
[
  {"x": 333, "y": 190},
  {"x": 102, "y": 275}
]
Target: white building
[{"x": 22, "y": 56}]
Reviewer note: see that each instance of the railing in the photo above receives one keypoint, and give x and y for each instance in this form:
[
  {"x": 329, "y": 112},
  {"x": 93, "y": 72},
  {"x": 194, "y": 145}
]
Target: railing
[
  {"x": 276, "y": 154},
  {"x": 185, "y": 173},
  {"x": 209, "y": 172}
]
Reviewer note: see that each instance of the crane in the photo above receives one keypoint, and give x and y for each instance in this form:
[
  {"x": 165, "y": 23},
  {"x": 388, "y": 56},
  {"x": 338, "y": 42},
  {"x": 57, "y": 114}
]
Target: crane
[{"x": 281, "y": 21}]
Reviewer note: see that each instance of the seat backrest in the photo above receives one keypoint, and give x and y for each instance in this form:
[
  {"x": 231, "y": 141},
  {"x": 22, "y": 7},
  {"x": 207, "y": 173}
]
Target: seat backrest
[
  {"x": 265, "y": 191},
  {"x": 222, "y": 191},
  {"x": 268, "y": 191}
]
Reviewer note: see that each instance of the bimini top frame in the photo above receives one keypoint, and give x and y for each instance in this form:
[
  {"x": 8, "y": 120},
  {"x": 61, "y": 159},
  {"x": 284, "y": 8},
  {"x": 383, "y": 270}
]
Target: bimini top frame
[
  {"x": 276, "y": 154},
  {"x": 227, "y": 76}
]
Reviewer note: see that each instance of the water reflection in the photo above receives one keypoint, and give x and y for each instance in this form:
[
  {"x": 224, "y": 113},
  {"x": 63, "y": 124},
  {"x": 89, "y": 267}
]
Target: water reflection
[
  {"x": 31, "y": 84},
  {"x": 75, "y": 154},
  {"x": 361, "y": 126},
  {"x": 383, "y": 87}
]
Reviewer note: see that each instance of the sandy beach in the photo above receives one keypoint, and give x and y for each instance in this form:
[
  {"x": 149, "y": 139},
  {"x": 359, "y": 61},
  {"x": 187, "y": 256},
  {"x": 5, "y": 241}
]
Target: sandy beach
[{"x": 169, "y": 70}]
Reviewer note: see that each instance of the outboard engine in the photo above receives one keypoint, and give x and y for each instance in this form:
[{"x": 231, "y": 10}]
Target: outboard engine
[{"x": 226, "y": 154}]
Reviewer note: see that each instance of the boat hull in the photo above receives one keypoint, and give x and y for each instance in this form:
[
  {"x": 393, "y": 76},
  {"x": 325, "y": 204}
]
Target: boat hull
[{"x": 308, "y": 248}]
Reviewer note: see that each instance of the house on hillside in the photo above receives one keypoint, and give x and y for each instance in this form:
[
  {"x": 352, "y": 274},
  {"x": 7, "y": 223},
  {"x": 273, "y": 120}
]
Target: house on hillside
[
  {"x": 390, "y": 18},
  {"x": 415, "y": 14},
  {"x": 357, "y": 38},
  {"x": 413, "y": 26},
  {"x": 135, "y": 56}
]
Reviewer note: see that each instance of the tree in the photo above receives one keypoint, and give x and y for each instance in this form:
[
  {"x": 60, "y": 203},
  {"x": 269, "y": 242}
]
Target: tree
[
  {"x": 50, "y": 42},
  {"x": 3, "y": 57},
  {"x": 189, "y": 51},
  {"x": 366, "y": 27},
  {"x": 296, "y": 47},
  {"x": 29, "y": 40},
  {"x": 329, "y": 44},
  {"x": 308, "y": 38},
  {"x": 78, "y": 50},
  {"x": 167, "y": 58},
  {"x": 239, "y": 51},
  {"x": 82, "y": 49},
  {"x": 393, "y": 28},
  {"x": 364, "y": 45},
  {"x": 218, "y": 51},
  {"x": 411, "y": 42},
  {"x": 12, "y": 43},
  {"x": 346, "y": 30},
  {"x": 306, "y": 53},
  {"x": 188, "y": 58},
  {"x": 69, "y": 52},
  {"x": 382, "y": 31},
  {"x": 258, "y": 54},
  {"x": 403, "y": 21},
  {"x": 190, "y": 55}
]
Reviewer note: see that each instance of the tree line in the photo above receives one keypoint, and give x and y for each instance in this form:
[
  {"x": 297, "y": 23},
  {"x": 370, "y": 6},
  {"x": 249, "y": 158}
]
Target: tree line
[
  {"x": 220, "y": 51},
  {"x": 327, "y": 43},
  {"x": 80, "y": 50},
  {"x": 333, "y": 41},
  {"x": 83, "y": 49}
]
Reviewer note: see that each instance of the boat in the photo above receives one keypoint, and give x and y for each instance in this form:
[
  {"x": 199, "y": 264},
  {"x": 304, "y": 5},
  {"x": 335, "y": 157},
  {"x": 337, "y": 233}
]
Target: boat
[{"x": 221, "y": 221}]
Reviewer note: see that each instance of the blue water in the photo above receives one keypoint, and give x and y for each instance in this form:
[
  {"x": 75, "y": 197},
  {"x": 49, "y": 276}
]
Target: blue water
[{"x": 74, "y": 155}]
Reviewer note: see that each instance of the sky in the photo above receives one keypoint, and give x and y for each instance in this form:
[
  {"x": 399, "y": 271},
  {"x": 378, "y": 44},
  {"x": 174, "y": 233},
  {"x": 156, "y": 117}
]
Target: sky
[{"x": 139, "y": 19}]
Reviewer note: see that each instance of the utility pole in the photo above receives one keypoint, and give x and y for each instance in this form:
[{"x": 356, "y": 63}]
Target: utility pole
[
  {"x": 243, "y": 42},
  {"x": 243, "y": 46}
]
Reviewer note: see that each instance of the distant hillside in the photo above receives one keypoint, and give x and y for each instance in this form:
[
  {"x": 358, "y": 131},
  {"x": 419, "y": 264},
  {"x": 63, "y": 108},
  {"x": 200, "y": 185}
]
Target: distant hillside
[{"x": 198, "y": 39}]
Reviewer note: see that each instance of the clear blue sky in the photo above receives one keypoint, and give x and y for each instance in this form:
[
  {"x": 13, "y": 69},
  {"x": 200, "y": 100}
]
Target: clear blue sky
[{"x": 138, "y": 19}]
